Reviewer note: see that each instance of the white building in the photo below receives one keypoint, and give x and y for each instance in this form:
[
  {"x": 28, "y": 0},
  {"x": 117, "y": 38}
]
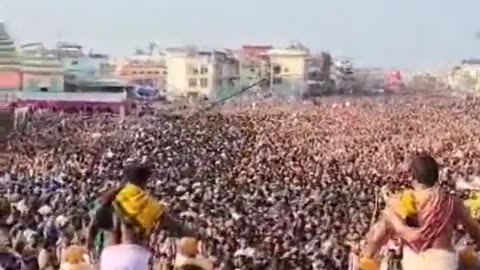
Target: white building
[
  {"x": 466, "y": 77},
  {"x": 288, "y": 70},
  {"x": 343, "y": 75},
  {"x": 199, "y": 73}
]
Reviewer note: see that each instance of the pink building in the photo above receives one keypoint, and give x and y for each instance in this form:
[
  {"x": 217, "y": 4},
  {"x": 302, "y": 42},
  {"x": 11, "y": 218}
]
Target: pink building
[
  {"x": 10, "y": 76},
  {"x": 10, "y": 80}
]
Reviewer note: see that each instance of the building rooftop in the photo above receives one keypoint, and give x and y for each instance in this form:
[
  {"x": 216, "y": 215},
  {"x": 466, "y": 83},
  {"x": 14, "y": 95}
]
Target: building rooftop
[
  {"x": 185, "y": 51},
  {"x": 287, "y": 52},
  {"x": 95, "y": 81},
  {"x": 471, "y": 61},
  {"x": 257, "y": 47}
]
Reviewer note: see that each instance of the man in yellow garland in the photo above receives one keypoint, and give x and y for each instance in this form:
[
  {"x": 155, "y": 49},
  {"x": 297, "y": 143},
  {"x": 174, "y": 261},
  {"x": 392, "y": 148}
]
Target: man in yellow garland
[
  {"x": 424, "y": 219},
  {"x": 129, "y": 214}
]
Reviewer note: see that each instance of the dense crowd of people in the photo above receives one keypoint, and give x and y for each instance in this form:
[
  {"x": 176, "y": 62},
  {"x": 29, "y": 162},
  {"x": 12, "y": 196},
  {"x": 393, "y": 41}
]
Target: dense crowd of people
[{"x": 270, "y": 185}]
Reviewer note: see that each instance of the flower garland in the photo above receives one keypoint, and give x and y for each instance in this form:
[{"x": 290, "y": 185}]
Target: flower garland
[
  {"x": 407, "y": 207},
  {"x": 473, "y": 204}
]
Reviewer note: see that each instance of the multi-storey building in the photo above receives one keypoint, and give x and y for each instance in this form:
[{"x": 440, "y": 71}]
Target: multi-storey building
[
  {"x": 41, "y": 70},
  {"x": 10, "y": 73},
  {"x": 143, "y": 70},
  {"x": 288, "y": 70},
  {"x": 254, "y": 63},
  {"x": 466, "y": 76},
  {"x": 204, "y": 73}
]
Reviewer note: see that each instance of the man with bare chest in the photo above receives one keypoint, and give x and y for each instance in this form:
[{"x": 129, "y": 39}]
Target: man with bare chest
[{"x": 427, "y": 239}]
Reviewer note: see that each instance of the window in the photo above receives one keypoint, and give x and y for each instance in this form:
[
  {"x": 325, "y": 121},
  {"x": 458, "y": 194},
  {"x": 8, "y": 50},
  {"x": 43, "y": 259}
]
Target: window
[
  {"x": 191, "y": 69},
  {"x": 192, "y": 82},
  {"x": 277, "y": 80},
  {"x": 204, "y": 70},
  {"x": 74, "y": 62},
  {"x": 277, "y": 70},
  {"x": 219, "y": 83},
  {"x": 285, "y": 70},
  {"x": 204, "y": 82}
]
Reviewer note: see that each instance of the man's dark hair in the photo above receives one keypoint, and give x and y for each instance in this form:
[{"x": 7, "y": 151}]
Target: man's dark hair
[
  {"x": 138, "y": 174},
  {"x": 425, "y": 170}
]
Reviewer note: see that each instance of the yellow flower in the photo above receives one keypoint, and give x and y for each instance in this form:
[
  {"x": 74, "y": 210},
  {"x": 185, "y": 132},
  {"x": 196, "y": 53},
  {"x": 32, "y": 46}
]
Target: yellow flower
[
  {"x": 189, "y": 246},
  {"x": 367, "y": 263},
  {"x": 468, "y": 258},
  {"x": 139, "y": 206},
  {"x": 75, "y": 255},
  {"x": 473, "y": 205},
  {"x": 407, "y": 205}
]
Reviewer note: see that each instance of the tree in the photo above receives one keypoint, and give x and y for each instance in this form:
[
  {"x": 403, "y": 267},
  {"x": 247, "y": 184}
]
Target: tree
[
  {"x": 151, "y": 47},
  {"x": 139, "y": 51}
]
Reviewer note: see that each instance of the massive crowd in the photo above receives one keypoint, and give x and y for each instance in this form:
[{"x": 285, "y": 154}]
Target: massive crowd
[{"x": 270, "y": 185}]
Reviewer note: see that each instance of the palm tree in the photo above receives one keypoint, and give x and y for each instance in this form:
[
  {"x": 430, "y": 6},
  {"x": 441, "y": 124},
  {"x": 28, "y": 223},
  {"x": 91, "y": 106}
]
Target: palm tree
[
  {"x": 151, "y": 47},
  {"x": 139, "y": 51}
]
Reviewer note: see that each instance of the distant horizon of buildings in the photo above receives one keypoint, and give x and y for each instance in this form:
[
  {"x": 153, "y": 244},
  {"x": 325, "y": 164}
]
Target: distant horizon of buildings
[
  {"x": 179, "y": 72},
  {"x": 175, "y": 71}
]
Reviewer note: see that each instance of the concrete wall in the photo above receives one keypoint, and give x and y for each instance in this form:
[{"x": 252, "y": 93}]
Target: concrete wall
[
  {"x": 34, "y": 82},
  {"x": 289, "y": 71},
  {"x": 291, "y": 66},
  {"x": 177, "y": 84},
  {"x": 83, "y": 66}
]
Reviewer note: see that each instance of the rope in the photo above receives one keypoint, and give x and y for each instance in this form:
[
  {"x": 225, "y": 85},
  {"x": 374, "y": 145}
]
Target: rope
[{"x": 241, "y": 91}]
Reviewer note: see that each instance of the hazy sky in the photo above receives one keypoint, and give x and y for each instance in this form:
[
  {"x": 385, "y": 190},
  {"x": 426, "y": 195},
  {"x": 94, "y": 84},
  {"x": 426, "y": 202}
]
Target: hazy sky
[{"x": 373, "y": 32}]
